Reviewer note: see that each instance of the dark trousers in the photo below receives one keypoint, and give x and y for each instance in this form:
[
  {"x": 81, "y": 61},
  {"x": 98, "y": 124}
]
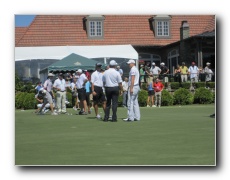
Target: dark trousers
[{"x": 112, "y": 94}]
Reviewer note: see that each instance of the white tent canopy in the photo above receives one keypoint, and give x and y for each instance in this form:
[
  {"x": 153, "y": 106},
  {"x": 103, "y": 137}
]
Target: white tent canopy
[{"x": 59, "y": 52}]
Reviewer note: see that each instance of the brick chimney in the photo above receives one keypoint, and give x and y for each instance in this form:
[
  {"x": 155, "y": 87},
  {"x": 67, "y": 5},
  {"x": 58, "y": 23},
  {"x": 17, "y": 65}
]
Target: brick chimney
[{"x": 184, "y": 30}]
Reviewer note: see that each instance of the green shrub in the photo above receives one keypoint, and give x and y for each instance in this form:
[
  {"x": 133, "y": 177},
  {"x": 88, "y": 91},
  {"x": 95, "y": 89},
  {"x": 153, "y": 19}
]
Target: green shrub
[
  {"x": 29, "y": 101},
  {"x": 210, "y": 85},
  {"x": 142, "y": 97},
  {"x": 182, "y": 96},
  {"x": 166, "y": 98},
  {"x": 203, "y": 96},
  {"x": 199, "y": 84},
  {"x": 19, "y": 99},
  {"x": 185, "y": 85},
  {"x": 175, "y": 85}
]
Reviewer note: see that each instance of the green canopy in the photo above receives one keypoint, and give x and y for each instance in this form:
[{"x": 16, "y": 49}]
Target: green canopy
[{"x": 72, "y": 62}]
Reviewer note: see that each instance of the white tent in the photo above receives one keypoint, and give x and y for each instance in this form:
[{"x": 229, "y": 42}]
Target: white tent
[{"x": 59, "y": 52}]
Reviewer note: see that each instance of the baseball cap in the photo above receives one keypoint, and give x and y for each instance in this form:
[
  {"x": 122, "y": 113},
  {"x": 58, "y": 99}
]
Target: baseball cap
[
  {"x": 208, "y": 63},
  {"x": 183, "y": 62},
  {"x": 50, "y": 74},
  {"x": 131, "y": 61},
  {"x": 162, "y": 64},
  {"x": 113, "y": 63},
  {"x": 98, "y": 64},
  {"x": 61, "y": 74},
  {"x": 153, "y": 63},
  {"x": 79, "y": 71}
]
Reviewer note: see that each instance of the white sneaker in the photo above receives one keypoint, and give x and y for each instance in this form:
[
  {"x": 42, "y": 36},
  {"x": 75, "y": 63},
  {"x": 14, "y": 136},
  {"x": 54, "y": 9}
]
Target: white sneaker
[
  {"x": 54, "y": 113},
  {"x": 148, "y": 106},
  {"x": 74, "y": 108},
  {"x": 110, "y": 117},
  {"x": 126, "y": 119},
  {"x": 67, "y": 102},
  {"x": 159, "y": 105},
  {"x": 46, "y": 111},
  {"x": 153, "y": 105},
  {"x": 98, "y": 116}
]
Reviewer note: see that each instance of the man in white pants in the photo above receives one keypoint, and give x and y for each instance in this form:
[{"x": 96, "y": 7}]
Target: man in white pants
[
  {"x": 133, "y": 90},
  {"x": 59, "y": 86}
]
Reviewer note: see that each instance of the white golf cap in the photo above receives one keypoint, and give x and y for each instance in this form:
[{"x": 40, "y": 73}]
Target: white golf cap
[
  {"x": 79, "y": 71},
  {"x": 153, "y": 63},
  {"x": 162, "y": 64},
  {"x": 50, "y": 74},
  {"x": 131, "y": 61},
  {"x": 113, "y": 63},
  {"x": 208, "y": 63}
]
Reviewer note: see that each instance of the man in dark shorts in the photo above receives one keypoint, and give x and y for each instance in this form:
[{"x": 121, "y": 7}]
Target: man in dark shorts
[
  {"x": 97, "y": 91},
  {"x": 81, "y": 91}
]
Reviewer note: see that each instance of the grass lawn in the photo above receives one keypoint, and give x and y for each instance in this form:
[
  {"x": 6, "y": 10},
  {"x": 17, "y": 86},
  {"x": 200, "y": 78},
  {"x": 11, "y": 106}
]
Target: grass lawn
[{"x": 165, "y": 136}]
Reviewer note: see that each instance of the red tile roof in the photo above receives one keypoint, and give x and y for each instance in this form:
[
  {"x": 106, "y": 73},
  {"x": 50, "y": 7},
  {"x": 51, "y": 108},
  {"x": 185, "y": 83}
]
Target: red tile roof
[
  {"x": 61, "y": 30},
  {"x": 19, "y": 32}
]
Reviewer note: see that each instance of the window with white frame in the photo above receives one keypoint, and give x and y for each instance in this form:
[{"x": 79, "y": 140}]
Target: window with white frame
[
  {"x": 161, "y": 26},
  {"x": 94, "y": 25}
]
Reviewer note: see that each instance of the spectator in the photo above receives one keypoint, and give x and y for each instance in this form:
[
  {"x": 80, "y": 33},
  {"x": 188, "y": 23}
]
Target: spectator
[
  {"x": 88, "y": 92},
  {"x": 193, "y": 72},
  {"x": 59, "y": 86},
  {"x": 38, "y": 87},
  {"x": 150, "y": 99},
  {"x": 158, "y": 88},
  {"x": 125, "y": 91},
  {"x": 75, "y": 101},
  {"x": 177, "y": 74},
  {"x": 81, "y": 91},
  {"x": 184, "y": 72},
  {"x": 120, "y": 70},
  {"x": 97, "y": 89},
  {"x": 164, "y": 73},
  {"x": 142, "y": 75},
  {"x": 154, "y": 72},
  {"x": 113, "y": 82},
  {"x": 208, "y": 73},
  {"x": 147, "y": 73}
]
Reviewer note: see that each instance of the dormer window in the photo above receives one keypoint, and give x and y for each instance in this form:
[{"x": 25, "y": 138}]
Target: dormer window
[
  {"x": 95, "y": 26},
  {"x": 161, "y": 26}
]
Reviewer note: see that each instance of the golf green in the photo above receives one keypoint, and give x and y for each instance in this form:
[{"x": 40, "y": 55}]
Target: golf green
[{"x": 167, "y": 136}]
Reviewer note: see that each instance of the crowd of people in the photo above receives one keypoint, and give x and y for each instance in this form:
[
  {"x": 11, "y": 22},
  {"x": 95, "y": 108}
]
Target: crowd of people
[
  {"x": 89, "y": 90},
  {"x": 105, "y": 86}
]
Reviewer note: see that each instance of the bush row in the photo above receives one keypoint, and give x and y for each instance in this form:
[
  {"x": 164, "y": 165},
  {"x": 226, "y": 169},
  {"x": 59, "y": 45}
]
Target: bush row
[{"x": 182, "y": 96}]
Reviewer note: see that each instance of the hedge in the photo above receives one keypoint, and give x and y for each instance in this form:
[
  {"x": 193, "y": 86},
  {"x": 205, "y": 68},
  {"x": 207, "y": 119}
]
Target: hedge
[
  {"x": 182, "y": 96},
  {"x": 203, "y": 96}
]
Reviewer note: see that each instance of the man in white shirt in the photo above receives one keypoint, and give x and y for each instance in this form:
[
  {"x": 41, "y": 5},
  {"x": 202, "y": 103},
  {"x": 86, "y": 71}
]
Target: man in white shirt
[
  {"x": 133, "y": 105},
  {"x": 59, "y": 86},
  {"x": 154, "y": 71},
  {"x": 97, "y": 89},
  {"x": 48, "y": 85},
  {"x": 208, "y": 72},
  {"x": 81, "y": 91},
  {"x": 125, "y": 91},
  {"x": 193, "y": 72},
  {"x": 112, "y": 82}
]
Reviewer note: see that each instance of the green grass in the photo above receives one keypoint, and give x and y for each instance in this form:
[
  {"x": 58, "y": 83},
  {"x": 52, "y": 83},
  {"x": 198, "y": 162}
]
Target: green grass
[{"x": 164, "y": 136}]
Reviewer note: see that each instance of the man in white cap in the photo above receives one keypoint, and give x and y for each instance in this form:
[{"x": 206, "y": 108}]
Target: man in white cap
[
  {"x": 59, "y": 86},
  {"x": 208, "y": 72},
  {"x": 81, "y": 91},
  {"x": 113, "y": 83},
  {"x": 48, "y": 85},
  {"x": 133, "y": 90},
  {"x": 120, "y": 70},
  {"x": 154, "y": 71},
  {"x": 97, "y": 89}
]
